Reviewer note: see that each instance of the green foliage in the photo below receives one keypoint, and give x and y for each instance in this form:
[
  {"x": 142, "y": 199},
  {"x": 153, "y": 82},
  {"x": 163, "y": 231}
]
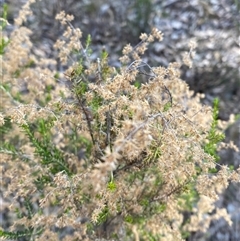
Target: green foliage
[
  {"x": 104, "y": 67},
  {"x": 214, "y": 137},
  {"x": 135, "y": 219},
  {"x": 4, "y": 16},
  {"x": 154, "y": 155},
  {"x": 103, "y": 216},
  {"x": 3, "y": 24},
  {"x": 27, "y": 233},
  {"x": 185, "y": 234},
  {"x": 29, "y": 207},
  {"x": 23, "y": 233},
  {"x": 77, "y": 143},
  {"x": 29, "y": 64},
  {"x": 128, "y": 219},
  {"x": 48, "y": 95},
  {"x": 3, "y": 45},
  {"x": 10, "y": 149},
  {"x": 6, "y": 87},
  {"x": 137, "y": 84},
  {"x": 41, "y": 180},
  {"x": 96, "y": 103},
  {"x": 81, "y": 88},
  {"x": 167, "y": 106},
  {"x": 50, "y": 155},
  {"x": 142, "y": 9},
  {"x": 10, "y": 146},
  {"x": 237, "y": 117},
  {"x": 189, "y": 197},
  {"x": 149, "y": 236},
  {"x": 111, "y": 186},
  {"x": 4, "y": 129},
  {"x": 88, "y": 44}
]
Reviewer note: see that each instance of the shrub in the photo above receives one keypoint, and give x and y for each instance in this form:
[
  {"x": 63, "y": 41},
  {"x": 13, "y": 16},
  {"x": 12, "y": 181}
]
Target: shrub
[{"x": 102, "y": 153}]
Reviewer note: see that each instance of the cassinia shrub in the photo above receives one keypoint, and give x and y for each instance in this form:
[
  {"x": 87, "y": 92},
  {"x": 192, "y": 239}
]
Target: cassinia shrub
[{"x": 101, "y": 153}]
